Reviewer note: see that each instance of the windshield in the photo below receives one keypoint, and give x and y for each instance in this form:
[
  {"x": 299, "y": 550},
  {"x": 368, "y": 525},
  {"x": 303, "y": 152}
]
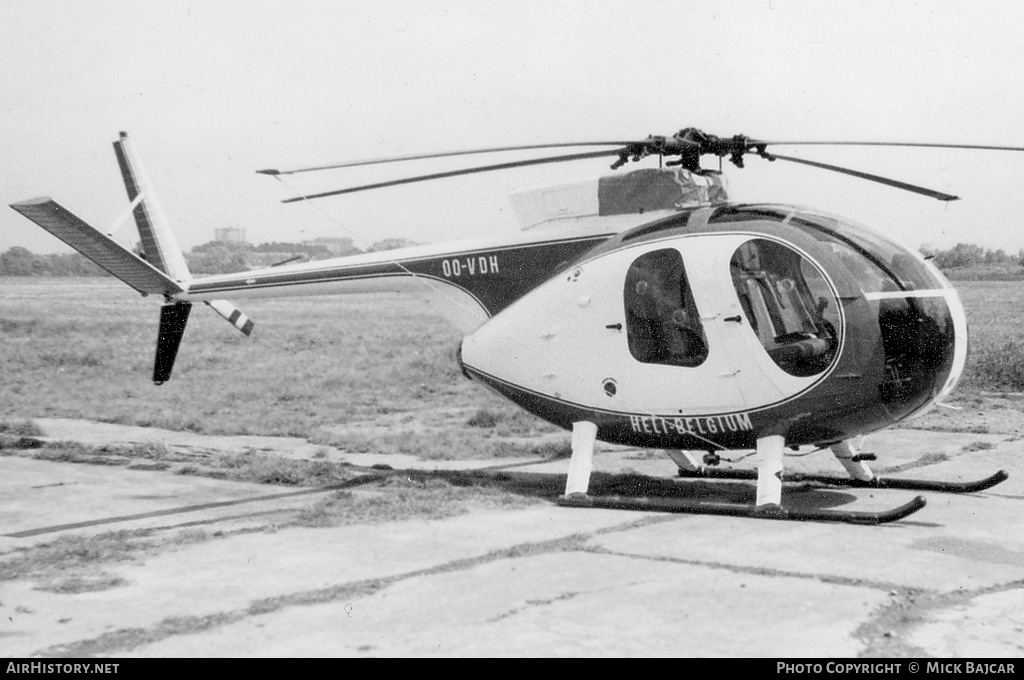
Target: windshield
[{"x": 878, "y": 262}]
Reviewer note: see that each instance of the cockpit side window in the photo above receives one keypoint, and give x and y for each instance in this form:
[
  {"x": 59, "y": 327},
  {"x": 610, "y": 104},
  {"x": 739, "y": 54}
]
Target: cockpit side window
[
  {"x": 662, "y": 323},
  {"x": 789, "y": 304}
]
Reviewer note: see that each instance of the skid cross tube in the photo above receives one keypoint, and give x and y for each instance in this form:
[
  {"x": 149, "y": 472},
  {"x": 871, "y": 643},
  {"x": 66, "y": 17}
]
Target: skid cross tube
[{"x": 874, "y": 483}]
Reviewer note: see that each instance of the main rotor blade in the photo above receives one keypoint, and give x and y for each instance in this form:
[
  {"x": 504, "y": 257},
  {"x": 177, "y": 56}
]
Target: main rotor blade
[
  {"x": 457, "y": 173},
  {"x": 441, "y": 154},
  {"x": 872, "y": 178},
  {"x": 920, "y": 145}
]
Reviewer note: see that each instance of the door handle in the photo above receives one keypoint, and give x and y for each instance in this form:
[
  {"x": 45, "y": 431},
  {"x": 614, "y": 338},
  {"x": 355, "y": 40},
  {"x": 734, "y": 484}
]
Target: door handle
[{"x": 734, "y": 319}]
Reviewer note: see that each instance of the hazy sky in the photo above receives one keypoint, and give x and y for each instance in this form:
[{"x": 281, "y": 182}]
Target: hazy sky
[{"x": 211, "y": 91}]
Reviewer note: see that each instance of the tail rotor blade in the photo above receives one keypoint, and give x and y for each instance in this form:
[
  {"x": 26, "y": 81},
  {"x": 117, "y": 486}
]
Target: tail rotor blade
[{"x": 232, "y": 315}]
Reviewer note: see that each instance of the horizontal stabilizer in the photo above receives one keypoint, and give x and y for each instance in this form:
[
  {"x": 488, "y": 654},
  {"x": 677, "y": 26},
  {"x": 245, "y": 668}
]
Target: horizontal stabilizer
[{"x": 97, "y": 246}]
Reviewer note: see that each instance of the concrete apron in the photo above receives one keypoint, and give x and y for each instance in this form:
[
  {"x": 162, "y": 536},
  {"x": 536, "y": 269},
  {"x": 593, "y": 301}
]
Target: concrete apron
[{"x": 540, "y": 581}]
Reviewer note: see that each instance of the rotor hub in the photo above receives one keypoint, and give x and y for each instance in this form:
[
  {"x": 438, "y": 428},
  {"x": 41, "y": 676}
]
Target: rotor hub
[{"x": 690, "y": 144}]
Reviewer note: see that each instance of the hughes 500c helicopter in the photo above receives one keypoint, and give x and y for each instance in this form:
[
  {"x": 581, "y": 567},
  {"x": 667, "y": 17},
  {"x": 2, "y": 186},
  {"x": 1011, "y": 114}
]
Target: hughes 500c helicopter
[{"x": 644, "y": 310}]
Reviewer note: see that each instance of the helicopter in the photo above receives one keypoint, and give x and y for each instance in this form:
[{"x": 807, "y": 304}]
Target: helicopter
[{"x": 644, "y": 310}]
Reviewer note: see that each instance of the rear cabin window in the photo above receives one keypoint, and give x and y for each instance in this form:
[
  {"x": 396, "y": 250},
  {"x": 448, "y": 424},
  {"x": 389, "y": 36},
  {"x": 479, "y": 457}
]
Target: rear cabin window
[
  {"x": 662, "y": 323},
  {"x": 789, "y": 304}
]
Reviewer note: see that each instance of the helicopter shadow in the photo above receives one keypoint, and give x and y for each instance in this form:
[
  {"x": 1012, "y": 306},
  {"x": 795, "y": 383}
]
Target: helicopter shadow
[{"x": 551, "y": 487}]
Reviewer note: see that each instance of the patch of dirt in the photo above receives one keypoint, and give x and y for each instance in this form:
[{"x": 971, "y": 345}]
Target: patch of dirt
[{"x": 980, "y": 413}]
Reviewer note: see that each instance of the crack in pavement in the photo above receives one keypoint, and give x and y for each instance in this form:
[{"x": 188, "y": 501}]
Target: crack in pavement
[
  {"x": 883, "y": 634},
  {"x": 127, "y": 639},
  {"x": 530, "y": 604},
  {"x": 753, "y": 571},
  {"x": 886, "y": 632}
]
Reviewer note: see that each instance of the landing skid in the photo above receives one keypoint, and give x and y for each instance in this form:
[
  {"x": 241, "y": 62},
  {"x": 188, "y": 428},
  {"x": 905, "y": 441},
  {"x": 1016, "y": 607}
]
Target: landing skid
[
  {"x": 578, "y": 500},
  {"x": 770, "y": 474},
  {"x": 874, "y": 483}
]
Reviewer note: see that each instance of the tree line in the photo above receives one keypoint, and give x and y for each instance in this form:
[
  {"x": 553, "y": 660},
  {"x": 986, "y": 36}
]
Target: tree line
[
  {"x": 214, "y": 257},
  {"x": 225, "y": 257},
  {"x": 965, "y": 255}
]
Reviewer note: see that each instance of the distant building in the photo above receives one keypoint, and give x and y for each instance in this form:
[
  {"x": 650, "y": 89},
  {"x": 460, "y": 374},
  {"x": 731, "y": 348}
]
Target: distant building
[
  {"x": 337, "y": 246},
  {"x": 229, "y": 234}
]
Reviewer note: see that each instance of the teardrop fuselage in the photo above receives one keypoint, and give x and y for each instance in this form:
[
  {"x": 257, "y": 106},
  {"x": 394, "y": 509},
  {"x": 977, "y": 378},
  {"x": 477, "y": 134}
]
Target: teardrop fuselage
[{"x": 720, "y": 325}]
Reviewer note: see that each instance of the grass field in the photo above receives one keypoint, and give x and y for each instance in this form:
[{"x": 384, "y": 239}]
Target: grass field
[
  {"x": 995, "y": 317},
  {"x": 83, "y": 348},
  {"x": 357, "y": 372}
]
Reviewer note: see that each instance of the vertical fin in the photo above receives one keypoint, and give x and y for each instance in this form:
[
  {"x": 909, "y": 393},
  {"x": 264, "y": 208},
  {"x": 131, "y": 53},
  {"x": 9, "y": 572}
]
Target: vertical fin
[
  {"x": 158, "y": 241},
  {"x": 173, "y": 318},
  {"x": 159, "y": 245}
]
